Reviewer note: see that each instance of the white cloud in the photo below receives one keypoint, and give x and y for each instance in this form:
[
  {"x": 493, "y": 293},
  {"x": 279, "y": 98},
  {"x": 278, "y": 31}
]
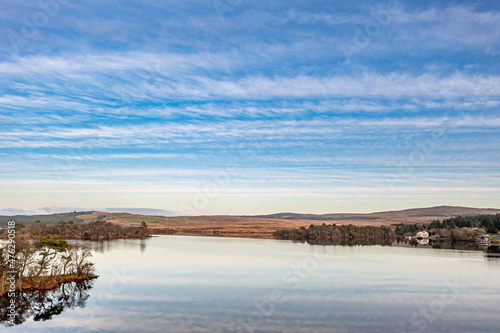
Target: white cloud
[
  {"x": 16, "y": 211},
  {"x": 59, "y": 209},
  {"x": 143, "y": 211},
  {"x": 133, "y": 77},
  {"x": 144, "y": 64},
  {"x": 452, "y": 24}
]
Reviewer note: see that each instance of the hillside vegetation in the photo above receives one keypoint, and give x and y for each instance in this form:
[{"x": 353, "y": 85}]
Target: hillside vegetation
[
  {"x": 49, "y": 218},
  {"x": 94, "y": 230},
  {"x": 318, "y": 234},
  {"x": 43, "y": 264}
]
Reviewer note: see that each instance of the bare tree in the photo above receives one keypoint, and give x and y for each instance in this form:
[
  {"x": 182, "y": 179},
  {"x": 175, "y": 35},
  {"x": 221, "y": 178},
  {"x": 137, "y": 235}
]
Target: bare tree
[
  {"x": 25, "y": 257},
  {"x": 83, "y": 266}
]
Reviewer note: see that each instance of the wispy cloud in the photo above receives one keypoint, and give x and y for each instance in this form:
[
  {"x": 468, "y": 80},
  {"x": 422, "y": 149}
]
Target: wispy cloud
[
  {"x": 16, "y": 211},
  {"x": 124, "y": 104}
]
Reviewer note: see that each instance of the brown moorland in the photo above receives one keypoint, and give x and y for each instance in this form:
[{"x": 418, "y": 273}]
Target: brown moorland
[{"x": 263, "y": 226}]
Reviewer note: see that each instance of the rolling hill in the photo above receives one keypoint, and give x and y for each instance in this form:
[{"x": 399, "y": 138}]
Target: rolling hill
[{"x": 258, "y": 226}]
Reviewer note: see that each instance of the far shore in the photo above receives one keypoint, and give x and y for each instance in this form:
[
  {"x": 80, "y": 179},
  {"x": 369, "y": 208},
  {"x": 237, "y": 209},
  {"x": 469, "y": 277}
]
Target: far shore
[{"x": 263, "y": 227}]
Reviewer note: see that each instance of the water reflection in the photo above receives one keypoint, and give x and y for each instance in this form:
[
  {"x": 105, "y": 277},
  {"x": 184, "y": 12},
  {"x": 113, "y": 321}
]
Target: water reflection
[
  {"x": 347, "y": 242},
  {"x": 182, "y": 284},
  {"x": 105, "y": 246},
  {"x": 423, "y": 241},
  {"x": 491, "y": 252},
  {"x": 42, "y": 305}
]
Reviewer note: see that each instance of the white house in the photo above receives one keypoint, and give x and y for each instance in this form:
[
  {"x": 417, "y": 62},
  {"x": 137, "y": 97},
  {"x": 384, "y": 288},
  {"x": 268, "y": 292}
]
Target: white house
[{"x": 422, "y": 235}]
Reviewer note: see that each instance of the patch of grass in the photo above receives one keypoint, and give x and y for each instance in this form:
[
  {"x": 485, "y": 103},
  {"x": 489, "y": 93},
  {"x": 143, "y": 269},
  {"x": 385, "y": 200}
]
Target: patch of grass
[
  {"x": 340, "y": 218},
  {"x": 431, "y": 215},
  {"x": 137, "y": 219}
]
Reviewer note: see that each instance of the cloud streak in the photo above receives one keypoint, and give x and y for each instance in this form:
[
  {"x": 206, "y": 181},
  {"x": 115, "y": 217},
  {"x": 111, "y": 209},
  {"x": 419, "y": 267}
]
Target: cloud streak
[{"x": 167, "y": 100}]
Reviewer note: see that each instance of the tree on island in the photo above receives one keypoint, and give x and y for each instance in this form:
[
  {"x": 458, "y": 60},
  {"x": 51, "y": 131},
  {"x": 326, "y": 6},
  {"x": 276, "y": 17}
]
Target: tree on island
[{"x": 45, "y": 263}]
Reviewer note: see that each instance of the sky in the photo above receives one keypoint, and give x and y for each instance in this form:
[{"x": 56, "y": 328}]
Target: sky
[{"x": 248, "y": 107}]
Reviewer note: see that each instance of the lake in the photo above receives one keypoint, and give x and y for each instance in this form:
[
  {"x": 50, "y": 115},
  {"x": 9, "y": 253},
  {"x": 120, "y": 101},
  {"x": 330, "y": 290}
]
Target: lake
[{"x": 208, "y": 284}]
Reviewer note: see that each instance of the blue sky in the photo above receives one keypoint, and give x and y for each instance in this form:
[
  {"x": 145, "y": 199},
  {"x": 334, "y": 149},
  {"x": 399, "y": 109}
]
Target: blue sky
[{"x": 248, "y": 107}]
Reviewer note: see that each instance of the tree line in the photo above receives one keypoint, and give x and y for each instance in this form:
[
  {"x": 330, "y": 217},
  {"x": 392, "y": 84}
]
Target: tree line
[
  {"x": 318, "y": 234},
  {"x": 491, "y": 223},
  {"x": 483, "y": 223},
  {"x": 44, "y": 218},
  {"x": 94, "y": 230}
]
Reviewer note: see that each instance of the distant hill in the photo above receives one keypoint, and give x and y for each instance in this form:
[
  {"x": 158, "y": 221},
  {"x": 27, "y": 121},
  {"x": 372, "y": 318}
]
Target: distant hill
[
  {"x": 47, "y": 218},
  {"x": 326, "y": 217},
  {"x": 259, "y": 225},
  {"x": 444, "y": 211},
  {"x": 406, "y": 215}
]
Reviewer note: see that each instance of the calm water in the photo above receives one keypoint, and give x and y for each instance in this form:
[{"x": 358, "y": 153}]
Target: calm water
[{"x": 196, "y": 284}]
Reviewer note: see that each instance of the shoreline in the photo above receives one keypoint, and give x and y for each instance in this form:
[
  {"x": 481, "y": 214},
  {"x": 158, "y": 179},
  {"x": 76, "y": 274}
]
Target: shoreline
[{"x": 47, "y": 283}]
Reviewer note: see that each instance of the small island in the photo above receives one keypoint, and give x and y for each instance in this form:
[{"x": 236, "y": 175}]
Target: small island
[
  {"x": 43, "y": 264},
  {"x": 38, "y": 256}
]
